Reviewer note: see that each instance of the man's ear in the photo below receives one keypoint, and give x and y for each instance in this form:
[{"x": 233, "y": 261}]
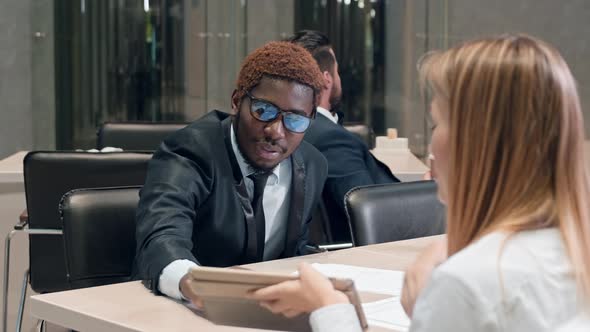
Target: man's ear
[
  {"x": 235, "y": 102},
  {"x": 328, "y": 79}
]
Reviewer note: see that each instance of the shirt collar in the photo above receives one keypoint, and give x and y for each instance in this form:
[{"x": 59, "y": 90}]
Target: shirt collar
[
  {"x": 327, "y": 114},
  {"x": 245, "y": 167}
]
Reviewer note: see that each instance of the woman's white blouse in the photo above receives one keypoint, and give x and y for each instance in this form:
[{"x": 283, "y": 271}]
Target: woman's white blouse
[
  {"x": 579, "y": 324},
  {"x": 523, "y": 283}
]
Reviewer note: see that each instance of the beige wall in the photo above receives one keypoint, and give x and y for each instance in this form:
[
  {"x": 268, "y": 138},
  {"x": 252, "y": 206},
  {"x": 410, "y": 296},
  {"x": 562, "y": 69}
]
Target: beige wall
[
  {"x": 219, "y": 34},
  {"x": 16, "y": 129},
  {"x": 565, "y": 24},
  {"x": 415, "y": 26}
]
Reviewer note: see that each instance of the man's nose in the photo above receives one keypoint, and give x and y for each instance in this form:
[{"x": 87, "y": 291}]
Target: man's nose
[{"x": 275, "y": 130}]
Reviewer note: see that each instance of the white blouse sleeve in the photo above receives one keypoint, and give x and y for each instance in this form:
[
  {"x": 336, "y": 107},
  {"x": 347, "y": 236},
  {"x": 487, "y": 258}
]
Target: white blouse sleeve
[
  {"x": 335, "y": 318},
  {"x": 447, "y": 304}
]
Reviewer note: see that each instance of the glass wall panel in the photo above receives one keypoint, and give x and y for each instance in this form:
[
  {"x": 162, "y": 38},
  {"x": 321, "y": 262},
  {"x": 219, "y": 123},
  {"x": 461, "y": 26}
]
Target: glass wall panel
[
  {"x": 174, "y": 60},
  {"x": 153, "y": 60},
  {"x": 377, "y": 43},
  {"x": 116, "y": 60}
]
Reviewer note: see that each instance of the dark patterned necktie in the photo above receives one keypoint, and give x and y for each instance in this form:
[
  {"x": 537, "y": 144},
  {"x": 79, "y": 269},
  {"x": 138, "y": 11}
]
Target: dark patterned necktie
[{"x": 259, "y": 180}]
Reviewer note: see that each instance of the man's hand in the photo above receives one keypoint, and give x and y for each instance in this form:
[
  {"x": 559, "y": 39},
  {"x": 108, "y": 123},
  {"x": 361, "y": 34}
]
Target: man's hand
[
  {"x": 185, "y": 291},
  {"x": 418, "y": 274},
  {"x": 291, "y": 298}
]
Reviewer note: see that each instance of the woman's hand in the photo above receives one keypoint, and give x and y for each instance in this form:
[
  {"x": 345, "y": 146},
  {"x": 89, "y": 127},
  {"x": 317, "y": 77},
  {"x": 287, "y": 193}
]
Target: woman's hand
[
  {"x": 291, "y": 298},
  {"x": 418, "y": 274}
]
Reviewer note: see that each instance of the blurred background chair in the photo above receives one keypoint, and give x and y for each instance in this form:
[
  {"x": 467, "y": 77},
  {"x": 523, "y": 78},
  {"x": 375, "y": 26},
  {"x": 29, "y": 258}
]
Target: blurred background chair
[
  {"x": 364, "y": 132},
  {"x": 320, "y": 232},
  {"x": 99, "y": 235},
  {"x": 48, "y": 175},
  {"x": 138, "y": 136},
  {"x": 394, "y": 212}
]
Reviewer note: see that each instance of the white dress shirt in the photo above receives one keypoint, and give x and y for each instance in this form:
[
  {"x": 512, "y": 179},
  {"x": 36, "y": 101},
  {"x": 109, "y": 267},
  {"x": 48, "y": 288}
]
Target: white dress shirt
[
  {"x": 526, "y": 285},
  {"x": 328, "y": 114},
  {"x": 580, "y": 323},
  {"x": 275, "y": 203}
]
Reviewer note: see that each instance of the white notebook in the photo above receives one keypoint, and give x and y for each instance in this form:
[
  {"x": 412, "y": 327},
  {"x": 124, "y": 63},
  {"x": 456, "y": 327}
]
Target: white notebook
[
  {"x": 387, "y": 313},
  {"x": 366, "y": 279}
]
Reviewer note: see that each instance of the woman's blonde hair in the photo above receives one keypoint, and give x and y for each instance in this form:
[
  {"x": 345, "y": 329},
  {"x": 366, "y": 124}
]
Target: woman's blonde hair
[{"x": 516, "y": 143}]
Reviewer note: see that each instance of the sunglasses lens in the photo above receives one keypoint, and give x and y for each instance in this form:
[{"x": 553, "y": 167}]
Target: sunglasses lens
[
  {"x": 264, "y": 111},
  {"x": 267, "y": 112},
  {"x": 296, "y": 123}
]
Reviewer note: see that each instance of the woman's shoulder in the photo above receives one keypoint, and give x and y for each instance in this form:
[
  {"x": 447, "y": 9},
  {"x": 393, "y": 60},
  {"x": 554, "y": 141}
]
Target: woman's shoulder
[
  {"x": 580, "y": 323},
  {"x": 500, "y": 267},
  {"x": 518, "y": 282},
  {"x": 531, "y": 249}
]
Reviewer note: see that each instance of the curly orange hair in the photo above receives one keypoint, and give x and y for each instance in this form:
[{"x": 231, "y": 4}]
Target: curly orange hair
[{"x": 281, "y": 60}]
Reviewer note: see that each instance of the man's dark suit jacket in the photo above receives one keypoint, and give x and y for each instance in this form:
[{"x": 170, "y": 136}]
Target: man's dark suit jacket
[
  {"x": 350, "y": 164},
  {"x": 194, "y": 204}
]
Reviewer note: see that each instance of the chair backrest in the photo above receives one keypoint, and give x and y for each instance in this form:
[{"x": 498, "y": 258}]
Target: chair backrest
[
  {"x": 364, "y": 132},
  {"x": 48, "y": 176},
  {"x": 145, "y": 136},
  {"x": 99, "y": 235},
  {"x": 393, "y": 212}
]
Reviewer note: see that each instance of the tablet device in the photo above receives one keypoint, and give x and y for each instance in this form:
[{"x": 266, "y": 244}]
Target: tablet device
[{"x": 224, "y": 295}]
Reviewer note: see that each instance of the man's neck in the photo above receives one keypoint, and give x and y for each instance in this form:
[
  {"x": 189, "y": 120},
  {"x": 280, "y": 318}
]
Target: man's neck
[
  {"x": 327, "y": 114},
  {"x": 326, "y": 106}
]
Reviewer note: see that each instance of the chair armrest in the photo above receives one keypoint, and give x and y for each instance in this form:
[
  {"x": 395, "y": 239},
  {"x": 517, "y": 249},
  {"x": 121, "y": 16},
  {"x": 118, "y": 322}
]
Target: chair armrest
[
  {"x": 315, "y": 249},
  {"x": 335, "y": 246},
  {"x": 23, "y": 220},
  {"x": 327, "y": 247}
]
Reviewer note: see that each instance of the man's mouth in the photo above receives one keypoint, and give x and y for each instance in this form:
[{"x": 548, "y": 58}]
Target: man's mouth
[{"x": 268, "y": 151}]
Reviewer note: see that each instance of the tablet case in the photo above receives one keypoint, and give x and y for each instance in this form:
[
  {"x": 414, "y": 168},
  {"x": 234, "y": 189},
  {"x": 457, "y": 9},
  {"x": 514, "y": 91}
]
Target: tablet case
[{"x": 223, "y": 292}]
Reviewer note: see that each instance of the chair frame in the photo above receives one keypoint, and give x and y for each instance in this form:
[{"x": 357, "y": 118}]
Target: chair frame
[{"x": 21, "y": 227}]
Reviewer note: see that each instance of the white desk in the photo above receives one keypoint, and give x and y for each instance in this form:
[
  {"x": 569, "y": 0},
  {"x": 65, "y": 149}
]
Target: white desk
[
  {"x": 11, "y": 168},
  {"x": 131, "y": 307},
  {"x": 403, "y": 164}
]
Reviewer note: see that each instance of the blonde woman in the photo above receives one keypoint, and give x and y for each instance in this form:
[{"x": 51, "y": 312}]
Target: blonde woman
[{"x": 508, "y": 143}]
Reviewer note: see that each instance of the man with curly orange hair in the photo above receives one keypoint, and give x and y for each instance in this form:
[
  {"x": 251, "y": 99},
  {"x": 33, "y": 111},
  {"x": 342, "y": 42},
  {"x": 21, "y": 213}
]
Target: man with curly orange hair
[{"x": 235, "y": 189}]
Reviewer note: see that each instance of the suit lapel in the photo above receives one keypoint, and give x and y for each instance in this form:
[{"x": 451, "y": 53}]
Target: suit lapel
[
  {"x": 251, "y": 254},
  {"x": 297, "y": 206},
  {"x": 386, "y": 175}
]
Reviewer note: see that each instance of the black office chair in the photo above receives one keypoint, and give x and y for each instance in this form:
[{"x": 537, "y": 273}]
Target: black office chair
[
  {"x": 99, "y": 235},
  {"x": 48, "y": 176},
  {"x": 364, "y": 132},
  {"x": 394, "y": 212},
  {"x": 320, "y": 232},
  {"x": 145, "y": 136}
]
